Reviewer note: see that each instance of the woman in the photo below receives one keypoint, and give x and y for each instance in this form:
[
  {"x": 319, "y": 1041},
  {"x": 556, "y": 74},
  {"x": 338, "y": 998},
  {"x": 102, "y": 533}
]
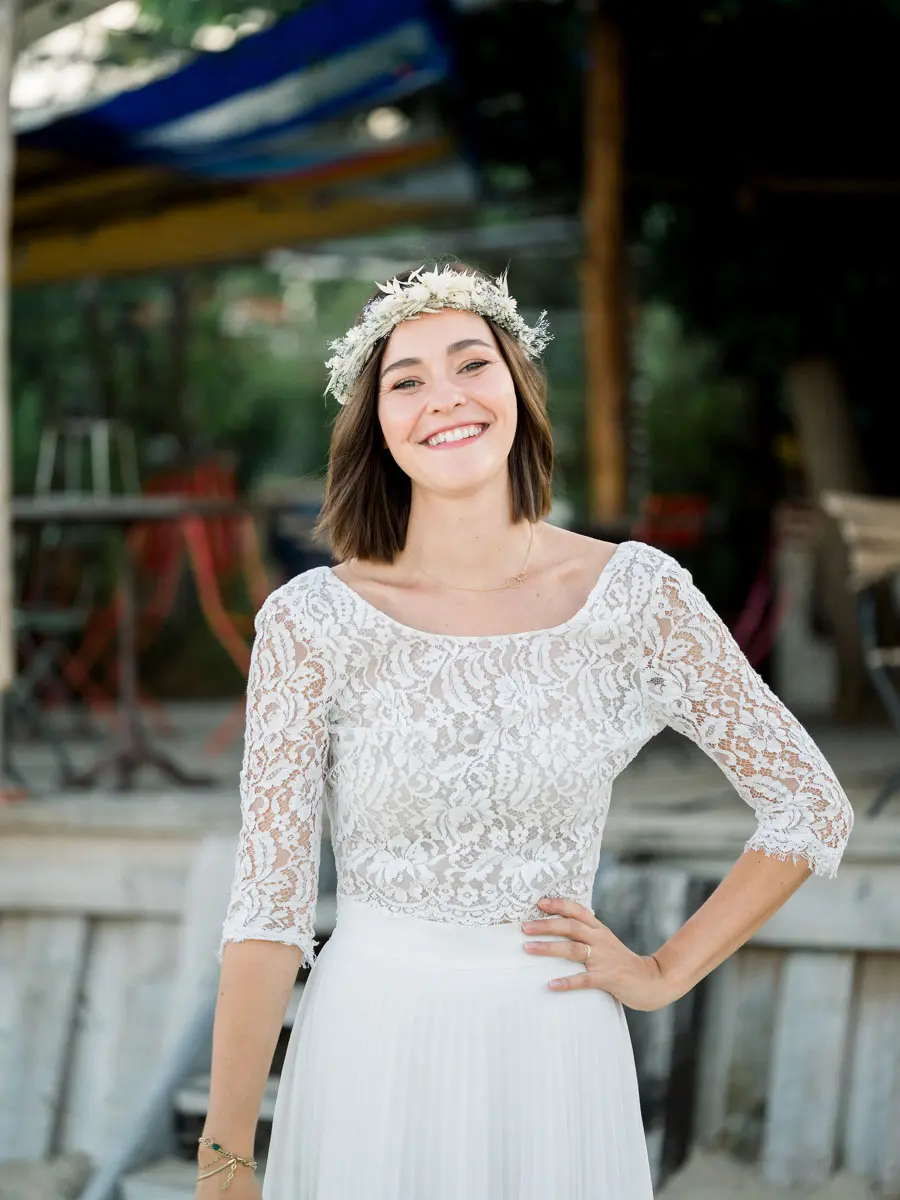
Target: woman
[{"x": 459, "y": 694}]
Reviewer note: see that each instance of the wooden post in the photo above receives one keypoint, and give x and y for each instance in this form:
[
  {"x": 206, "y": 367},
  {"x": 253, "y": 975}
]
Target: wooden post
[
  {"x": 601, "y": 275},
  {"x": 7, "y": 665},
  {"x": 832, "y": 461}
]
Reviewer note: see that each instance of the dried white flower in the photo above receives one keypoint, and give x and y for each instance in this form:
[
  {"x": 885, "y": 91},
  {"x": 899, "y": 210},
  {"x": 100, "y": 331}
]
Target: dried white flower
[{"x": 428, "y": 291}]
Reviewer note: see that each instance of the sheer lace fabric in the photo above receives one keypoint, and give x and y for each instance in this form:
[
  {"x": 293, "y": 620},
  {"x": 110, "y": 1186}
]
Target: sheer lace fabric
[{"x": 466, "y": 777}]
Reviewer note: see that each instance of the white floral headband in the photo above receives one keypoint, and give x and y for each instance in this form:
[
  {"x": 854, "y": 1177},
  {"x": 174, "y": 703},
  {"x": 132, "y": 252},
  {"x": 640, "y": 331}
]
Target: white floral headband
[{"x": 427, "y": 292}]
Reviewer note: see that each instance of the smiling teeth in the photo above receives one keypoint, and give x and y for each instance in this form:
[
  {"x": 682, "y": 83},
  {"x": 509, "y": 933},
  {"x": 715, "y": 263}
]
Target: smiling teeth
[{"x": 455, "y": 435}]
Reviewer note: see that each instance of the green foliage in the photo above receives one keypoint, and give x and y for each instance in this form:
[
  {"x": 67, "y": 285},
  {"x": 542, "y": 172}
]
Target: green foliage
[
  {"x": 166, "y": 24},
  {"x": 165, "y": 356},
  {"x": 694, "y": 417}
]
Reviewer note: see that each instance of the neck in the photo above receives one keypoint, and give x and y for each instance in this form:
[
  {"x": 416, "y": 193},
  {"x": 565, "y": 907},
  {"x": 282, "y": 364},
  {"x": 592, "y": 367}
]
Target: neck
[{"x": 466, "y": 540}]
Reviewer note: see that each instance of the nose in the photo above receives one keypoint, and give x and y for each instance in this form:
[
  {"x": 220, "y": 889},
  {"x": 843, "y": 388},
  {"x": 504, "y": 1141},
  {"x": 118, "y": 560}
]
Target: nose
[{"x": 445, "y": 396}]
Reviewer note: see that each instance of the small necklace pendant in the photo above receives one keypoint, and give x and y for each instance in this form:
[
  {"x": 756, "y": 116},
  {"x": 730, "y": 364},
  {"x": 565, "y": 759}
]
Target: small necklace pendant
[{"x": 515, "y": 581}]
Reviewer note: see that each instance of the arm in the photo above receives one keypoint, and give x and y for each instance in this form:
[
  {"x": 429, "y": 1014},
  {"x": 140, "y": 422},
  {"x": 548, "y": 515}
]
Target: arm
[
  {"x": 755, "y": 888},
  {"x": 254, "y": 988},
  {"x": 268, "y": 931},
  {"x": 697, "y": 679}
]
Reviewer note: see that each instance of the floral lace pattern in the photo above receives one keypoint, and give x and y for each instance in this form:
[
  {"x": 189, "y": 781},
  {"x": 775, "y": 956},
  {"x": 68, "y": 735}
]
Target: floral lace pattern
[{"x": 465, "y": 777}]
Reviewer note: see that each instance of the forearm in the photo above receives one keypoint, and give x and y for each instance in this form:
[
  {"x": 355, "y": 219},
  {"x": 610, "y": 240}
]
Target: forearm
[
  {"x": 752, "y": 891},
  {"x": 254, "y": 988}
]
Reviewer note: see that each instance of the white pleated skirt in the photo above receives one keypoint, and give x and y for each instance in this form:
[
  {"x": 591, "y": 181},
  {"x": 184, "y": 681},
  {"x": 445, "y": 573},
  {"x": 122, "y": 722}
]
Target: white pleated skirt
[{"x": 431, "y": 1061}]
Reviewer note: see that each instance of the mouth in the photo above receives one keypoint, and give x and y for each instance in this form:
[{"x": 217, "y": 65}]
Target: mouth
[{"x": 459, "y": 436}]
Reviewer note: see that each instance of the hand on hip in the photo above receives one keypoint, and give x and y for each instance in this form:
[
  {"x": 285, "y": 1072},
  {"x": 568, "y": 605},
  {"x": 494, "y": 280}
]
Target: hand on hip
[{"x": 635, "y": 980}]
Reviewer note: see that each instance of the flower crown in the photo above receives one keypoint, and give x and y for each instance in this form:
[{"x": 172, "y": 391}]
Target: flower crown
[{"x": 427, "y": 292}]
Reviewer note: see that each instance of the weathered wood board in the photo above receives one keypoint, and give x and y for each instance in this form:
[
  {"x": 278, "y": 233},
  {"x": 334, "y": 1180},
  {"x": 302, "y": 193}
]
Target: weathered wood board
[
  {"x": 99, "y": 875},
  {"x": 812, "y": 1026},
  {"x": 41, "y": 964},
  {"x": 120, "y": 1030},
  {"x": 871, "y": 1137},
  {"x": 735, "y": 1052}
]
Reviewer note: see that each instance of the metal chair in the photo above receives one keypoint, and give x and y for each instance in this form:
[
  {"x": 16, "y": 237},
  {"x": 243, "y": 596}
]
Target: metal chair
[
  {"x": 57, "y": 581},
  {"x": 87, "y": 454},
  {"x": 870, "y": 527}
]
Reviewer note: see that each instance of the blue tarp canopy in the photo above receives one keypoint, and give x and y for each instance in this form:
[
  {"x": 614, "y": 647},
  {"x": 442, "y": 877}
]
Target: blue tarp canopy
[{"x": 236, "y": 152}]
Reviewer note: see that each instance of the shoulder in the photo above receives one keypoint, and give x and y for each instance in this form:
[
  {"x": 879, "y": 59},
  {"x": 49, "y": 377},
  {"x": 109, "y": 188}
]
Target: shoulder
[
  {"x": 303, "y": 602},
  {"x": 638, "y": 571},
  {"x": 592, "y": 555},
  {"x": 642, "y": 582}
]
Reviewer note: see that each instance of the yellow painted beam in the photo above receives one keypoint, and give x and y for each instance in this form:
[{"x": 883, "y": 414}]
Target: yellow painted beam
[
  {"x": 95, "y": 187},
  {"x": 224, "y": 230},
  {"x": 69, "y": 202},
  {"x": 30, "y": 162}
]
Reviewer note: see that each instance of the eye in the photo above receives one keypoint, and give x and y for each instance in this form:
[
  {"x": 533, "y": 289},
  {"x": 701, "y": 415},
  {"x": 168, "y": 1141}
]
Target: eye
[
  {"x": 475, "y": 364},
  {"x": 401, "y": 385}
]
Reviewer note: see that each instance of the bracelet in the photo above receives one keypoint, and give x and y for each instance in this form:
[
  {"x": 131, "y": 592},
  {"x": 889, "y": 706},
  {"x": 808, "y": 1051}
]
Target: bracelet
[{"x": 231, "y": 1163}]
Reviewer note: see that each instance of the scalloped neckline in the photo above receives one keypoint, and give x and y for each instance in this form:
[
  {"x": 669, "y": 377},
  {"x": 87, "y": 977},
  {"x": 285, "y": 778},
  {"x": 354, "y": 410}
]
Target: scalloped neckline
[{"x": 595, "y": 591}]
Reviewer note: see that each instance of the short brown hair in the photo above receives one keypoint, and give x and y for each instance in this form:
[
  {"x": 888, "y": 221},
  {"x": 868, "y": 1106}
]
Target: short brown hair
[{"x": 367, "y": 496}]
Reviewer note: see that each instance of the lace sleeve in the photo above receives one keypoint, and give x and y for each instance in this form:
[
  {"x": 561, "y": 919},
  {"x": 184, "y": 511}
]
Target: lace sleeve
[
  {"x": 275, "y": 886},
  {"x": 697, "y": 680}
]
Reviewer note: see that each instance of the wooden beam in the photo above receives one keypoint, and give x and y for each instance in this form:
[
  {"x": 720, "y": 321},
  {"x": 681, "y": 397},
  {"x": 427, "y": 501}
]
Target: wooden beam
[
  {"x": 218, "y": 231},
  {"x": 80, "y": 198},
  {"x": 601, "y": 275},
  {"x": 7, "y": 657},
  {"x": 101, "y": 877}
]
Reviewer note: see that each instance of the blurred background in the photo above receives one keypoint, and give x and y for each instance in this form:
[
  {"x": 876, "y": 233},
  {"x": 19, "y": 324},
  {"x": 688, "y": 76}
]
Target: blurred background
[{"x": 705, "y": 197}]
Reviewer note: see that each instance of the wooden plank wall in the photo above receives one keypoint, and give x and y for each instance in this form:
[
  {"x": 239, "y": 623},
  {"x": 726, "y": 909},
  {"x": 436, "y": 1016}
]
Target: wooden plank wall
[
  {"x": 800, "y": 1064},
  {"x": 41, "y": 965},
  {"x": 119, "y": 1034},
  {"x": 98, "y": 966},
  {"x": 799, "y": 1059}
]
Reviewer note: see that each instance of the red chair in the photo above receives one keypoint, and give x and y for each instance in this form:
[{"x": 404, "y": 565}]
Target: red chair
[
  {"x": 680, "y": 522},
  {"x": 672, "y": 522},
  {"x": 218, "y": 551},
  {"x": 222, "y": 551}
]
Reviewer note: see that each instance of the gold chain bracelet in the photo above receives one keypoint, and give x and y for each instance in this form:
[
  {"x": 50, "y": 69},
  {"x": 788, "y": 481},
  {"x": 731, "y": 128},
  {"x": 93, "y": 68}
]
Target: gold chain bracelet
[{"x": 231, "y": 1163}]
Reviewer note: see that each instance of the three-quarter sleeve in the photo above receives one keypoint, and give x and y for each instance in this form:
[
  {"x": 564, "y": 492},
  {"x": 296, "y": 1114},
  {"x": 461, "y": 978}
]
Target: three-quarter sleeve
[
  {"x": 696, "y": 679},
  {"x": 282, "y": 783}
]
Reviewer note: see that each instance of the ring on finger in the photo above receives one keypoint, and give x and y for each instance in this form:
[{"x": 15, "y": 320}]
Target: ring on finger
[{"x": 588, "y": 955}]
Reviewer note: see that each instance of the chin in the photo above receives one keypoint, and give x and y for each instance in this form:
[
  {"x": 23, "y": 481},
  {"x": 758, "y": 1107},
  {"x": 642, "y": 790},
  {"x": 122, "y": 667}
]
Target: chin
[{"x": 462, "y": 482}]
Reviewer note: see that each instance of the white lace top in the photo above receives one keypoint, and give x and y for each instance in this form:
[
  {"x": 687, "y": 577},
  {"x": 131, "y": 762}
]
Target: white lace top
[{"x": 465, "y": 777}]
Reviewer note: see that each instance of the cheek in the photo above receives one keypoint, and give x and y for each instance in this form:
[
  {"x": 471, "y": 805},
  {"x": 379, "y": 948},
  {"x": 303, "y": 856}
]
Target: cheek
[
  {"x": 504, "y": 407},
  {"x": 499, "y": 395},
  {"x": 395, "y": 426}
]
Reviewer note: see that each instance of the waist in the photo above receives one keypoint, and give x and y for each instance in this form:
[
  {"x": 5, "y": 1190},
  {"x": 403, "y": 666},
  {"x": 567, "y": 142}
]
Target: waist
[{"x": 403, "y": 937}]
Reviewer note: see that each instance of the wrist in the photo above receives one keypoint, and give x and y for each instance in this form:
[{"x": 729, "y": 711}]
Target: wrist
[
  {"x": 673, "y": 982},
  {"x": 240, "y": 1144}
]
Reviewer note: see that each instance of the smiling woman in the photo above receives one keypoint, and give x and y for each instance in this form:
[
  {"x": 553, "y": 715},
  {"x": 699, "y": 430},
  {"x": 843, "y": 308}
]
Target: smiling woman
[
  {"x": 459, "y": 694},
  {"x": 430, "y": 353}
]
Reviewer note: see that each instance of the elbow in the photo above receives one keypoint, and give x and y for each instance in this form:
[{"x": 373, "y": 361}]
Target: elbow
[
  {"x": 816, "y": 832},
  {"x": 301, "y": 949},
  {"x": 300, "y": 943}
]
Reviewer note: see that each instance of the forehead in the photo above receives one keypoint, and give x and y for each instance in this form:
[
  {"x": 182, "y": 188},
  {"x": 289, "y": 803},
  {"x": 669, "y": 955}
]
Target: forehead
[{"x": 432, "y": 333}]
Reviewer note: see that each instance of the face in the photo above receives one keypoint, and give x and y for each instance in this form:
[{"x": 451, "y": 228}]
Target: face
[{"x": 443, "y": 374}]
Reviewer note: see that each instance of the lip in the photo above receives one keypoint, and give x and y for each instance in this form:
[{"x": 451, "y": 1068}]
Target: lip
[{"x": 447, "y": 428}]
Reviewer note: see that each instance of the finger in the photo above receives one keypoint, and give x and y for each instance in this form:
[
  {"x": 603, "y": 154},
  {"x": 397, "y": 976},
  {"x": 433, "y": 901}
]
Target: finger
[
  {"x": 567, "y": 908},
  {"x": 562, "y": 926},
  {"x": 571, "y": 948},
  {"x": 572, "y": 983}
]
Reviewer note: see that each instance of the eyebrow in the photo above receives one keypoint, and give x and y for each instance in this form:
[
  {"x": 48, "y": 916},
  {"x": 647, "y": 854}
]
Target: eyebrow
[{"x": 453, "y": 348}]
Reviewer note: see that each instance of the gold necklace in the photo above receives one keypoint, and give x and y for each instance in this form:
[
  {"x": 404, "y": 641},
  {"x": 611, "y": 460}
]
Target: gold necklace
[{"x": 512, "y": 581}]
